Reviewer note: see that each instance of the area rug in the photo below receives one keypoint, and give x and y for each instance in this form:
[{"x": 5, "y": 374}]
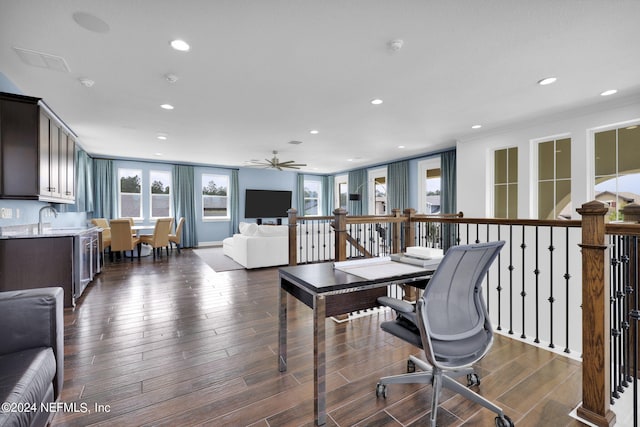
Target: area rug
[{"x": 215, "y": 259}]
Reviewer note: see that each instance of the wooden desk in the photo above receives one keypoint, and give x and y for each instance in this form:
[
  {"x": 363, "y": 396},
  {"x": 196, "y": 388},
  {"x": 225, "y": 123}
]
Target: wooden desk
[{"x": 329, "y": 291}]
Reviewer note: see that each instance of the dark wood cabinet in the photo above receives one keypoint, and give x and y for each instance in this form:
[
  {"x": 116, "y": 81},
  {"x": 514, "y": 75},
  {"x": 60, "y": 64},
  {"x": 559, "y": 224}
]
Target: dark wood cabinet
[
  {"x": 37, "y": 152},
  {"x": 38, "y": 263}
]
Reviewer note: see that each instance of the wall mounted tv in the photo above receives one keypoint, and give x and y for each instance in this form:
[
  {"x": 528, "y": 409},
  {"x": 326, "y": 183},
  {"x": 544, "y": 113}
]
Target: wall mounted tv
[{"x": 266, "y": 203}]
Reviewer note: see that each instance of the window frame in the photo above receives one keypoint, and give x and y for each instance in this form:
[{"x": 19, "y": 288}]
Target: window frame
[
  {"x": 425, "y": 165},
  {"x": 151, "y": 194},
  {"x": 318, "y": 199},
  {"x": 506, "y": 183},
  {"x": 226, "y": 217},
  {"x": 139, "y": 173},
  {"x": 535, "y": 181}
]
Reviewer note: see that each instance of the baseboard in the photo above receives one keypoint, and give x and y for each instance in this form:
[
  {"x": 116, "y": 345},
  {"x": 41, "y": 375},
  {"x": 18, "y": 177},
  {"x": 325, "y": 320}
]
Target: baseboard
[{"x": 209, "y": 244}]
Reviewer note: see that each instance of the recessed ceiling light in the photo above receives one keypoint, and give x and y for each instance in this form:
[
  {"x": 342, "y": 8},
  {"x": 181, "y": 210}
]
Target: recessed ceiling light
[
  {"x": 476, "y": 126},
  {"x": 167, "y": 106},
  {"x": 400, "y": 146},
  {"x": 547, "y": 81},
  {"x": 162, "y": 136},
  {"x": 609, "y": 92},
  {"x": 158, "y": 154},
  {"x": 376, "y": 101},
  {"x": 314, "y": 132},
  {"x": 180, "y": 45}
]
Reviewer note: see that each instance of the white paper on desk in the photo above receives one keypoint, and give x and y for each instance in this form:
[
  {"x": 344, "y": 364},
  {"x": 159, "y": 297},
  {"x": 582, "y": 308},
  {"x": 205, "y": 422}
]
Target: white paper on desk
[{"x": 376, "y": 268}]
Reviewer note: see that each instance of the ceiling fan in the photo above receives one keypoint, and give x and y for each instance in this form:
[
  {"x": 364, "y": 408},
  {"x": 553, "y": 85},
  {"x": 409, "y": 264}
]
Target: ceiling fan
[{"x": 275, "y": 163}]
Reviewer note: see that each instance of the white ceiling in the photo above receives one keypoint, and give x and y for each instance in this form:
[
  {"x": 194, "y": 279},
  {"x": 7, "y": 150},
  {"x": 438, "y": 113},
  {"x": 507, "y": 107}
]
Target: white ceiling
[{"x": 261, "y": 73}]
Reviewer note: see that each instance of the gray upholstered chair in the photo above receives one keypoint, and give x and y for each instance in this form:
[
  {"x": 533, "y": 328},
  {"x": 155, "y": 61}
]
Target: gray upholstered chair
[{"x": 450, "y": 323}]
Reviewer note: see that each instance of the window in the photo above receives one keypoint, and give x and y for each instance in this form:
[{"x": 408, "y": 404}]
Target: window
[
  {"x": 617, "y": 168},
  {"x": 377, "y": 189},
  {"x": 341, "y": 191},
  {"x": 160, "y": 194},
  {"x": 505, "y": 189},
  {"x": 380, "y": 195},
  {"x": 312, "y": 191},
  {"x": 215, "y": 200},
  {"x": 130, "y": 193},
  {"x": 554, "y": 179},
  {"x": 430, "y": 186}
]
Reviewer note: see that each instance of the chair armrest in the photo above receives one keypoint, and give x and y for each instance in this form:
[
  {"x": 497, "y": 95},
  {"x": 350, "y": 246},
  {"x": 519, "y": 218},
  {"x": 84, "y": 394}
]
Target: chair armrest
[
  {"x": 397, "y": 304},
  {"x": 33, "y": 318}
]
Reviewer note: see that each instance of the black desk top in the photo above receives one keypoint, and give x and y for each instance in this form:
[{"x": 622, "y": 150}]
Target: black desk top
[{"x": 323, "y": 278}]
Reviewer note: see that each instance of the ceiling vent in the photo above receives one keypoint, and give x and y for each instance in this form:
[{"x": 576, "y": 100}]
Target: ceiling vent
[{"x": 42, "y": 60}]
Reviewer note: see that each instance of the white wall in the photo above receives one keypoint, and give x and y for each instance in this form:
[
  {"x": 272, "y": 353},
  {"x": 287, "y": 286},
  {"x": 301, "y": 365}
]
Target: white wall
[{"x": 475, "y": 155}]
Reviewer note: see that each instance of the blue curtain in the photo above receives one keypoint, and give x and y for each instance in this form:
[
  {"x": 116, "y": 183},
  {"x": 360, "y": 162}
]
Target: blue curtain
[
  {"x": 328, "y": 184},
  {"x": 358, "y": 185},
  {"x": 300, "y": 193},
  {"x": 234, "y": 202},
  {"x": 104, "y": 189},
  {"x": 397, "y": 186},
  {"x": 448, "y": 195},
  {"x": 183, "y": 197}
]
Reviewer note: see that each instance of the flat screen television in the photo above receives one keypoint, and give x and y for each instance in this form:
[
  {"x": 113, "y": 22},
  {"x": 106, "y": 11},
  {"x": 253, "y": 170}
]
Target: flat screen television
[{"x": 267, "y": 203}]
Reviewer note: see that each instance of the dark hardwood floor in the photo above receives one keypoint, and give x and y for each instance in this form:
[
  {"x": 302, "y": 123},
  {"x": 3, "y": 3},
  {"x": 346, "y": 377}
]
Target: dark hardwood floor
[{"x": 172, "y": 343}]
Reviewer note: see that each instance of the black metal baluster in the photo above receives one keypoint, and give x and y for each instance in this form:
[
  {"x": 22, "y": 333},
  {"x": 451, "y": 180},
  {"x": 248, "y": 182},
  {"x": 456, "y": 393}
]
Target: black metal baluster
[
  {"x": 467, "y": 234},
  {"x": 551, "y": 299},
  {"x": 511, "y": 268},
  {"x": 626, "y": 275},
  {"x": 523, "y": 293},
  {"x": 634, "y": 316},
  {"x": 488, "y": 281},
  {"x": 567, "y": 276},
  {"x": 536, "y": 272},
  {"x": 615, "y": 333},
  {"x": 477, "y": 233},
  {"x": 499, "y": 287}
]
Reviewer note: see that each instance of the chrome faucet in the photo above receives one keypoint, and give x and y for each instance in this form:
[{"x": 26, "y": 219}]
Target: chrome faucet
[{"x": 42, "y": 209}]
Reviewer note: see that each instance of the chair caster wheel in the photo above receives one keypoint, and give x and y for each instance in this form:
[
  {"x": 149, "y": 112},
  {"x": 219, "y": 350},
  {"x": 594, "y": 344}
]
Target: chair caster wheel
[
  {"x": 411, "y": 367},
  {"x": 504, "y": 422},
  {"x": 473, "y": 379},
  {"x": 381, "y": 390}
]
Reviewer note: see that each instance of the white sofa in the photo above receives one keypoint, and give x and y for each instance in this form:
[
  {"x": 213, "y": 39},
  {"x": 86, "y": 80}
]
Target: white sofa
[
  {"x": 258, "y": 245},
  {"x": 268, "y": 245}
]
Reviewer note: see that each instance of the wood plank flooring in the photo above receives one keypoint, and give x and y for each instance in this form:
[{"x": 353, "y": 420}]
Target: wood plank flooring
[{"x": 172, "y": 343}]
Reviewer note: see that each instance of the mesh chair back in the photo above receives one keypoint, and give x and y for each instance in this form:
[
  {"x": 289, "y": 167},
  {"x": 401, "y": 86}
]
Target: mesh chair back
[{"x": 452, "y": 313}]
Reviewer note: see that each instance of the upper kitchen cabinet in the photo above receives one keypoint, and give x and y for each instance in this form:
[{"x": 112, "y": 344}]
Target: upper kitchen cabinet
[{"x": 37, "y": 152}]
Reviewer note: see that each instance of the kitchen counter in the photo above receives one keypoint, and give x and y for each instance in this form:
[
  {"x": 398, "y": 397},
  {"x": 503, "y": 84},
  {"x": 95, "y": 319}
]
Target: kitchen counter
[
  {"x": 65, "y": 257},
  {"x": 31, "y": 232}
]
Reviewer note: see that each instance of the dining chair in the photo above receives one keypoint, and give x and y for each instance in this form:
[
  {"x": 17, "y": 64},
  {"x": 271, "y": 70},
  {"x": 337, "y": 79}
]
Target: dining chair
[
  {"x": 106, "y": 232},
  {"x": 177, "y": 238},
  {"x": 122, "y": 239},
  {"x": 160, "y": 237}
]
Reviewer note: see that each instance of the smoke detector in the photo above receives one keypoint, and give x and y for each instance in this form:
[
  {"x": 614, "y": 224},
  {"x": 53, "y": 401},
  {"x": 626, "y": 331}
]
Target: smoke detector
[
  {"x": 86, "y": 82},
  {"x": 171, "y": 78},
  {"x": 396, "y": 44}
]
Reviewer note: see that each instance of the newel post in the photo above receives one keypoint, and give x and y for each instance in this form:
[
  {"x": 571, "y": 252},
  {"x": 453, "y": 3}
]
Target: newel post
[
  {"x": 409, "y": 228},
  {"x": 396, "y": 227},
  {"x": 596, "y": 329},
  {"x": 293, "y": 240},
  {"x": 340, "y": 227}
]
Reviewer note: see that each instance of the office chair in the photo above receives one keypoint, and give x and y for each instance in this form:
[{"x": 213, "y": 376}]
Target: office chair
[{"x": 450, "y": 323}]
